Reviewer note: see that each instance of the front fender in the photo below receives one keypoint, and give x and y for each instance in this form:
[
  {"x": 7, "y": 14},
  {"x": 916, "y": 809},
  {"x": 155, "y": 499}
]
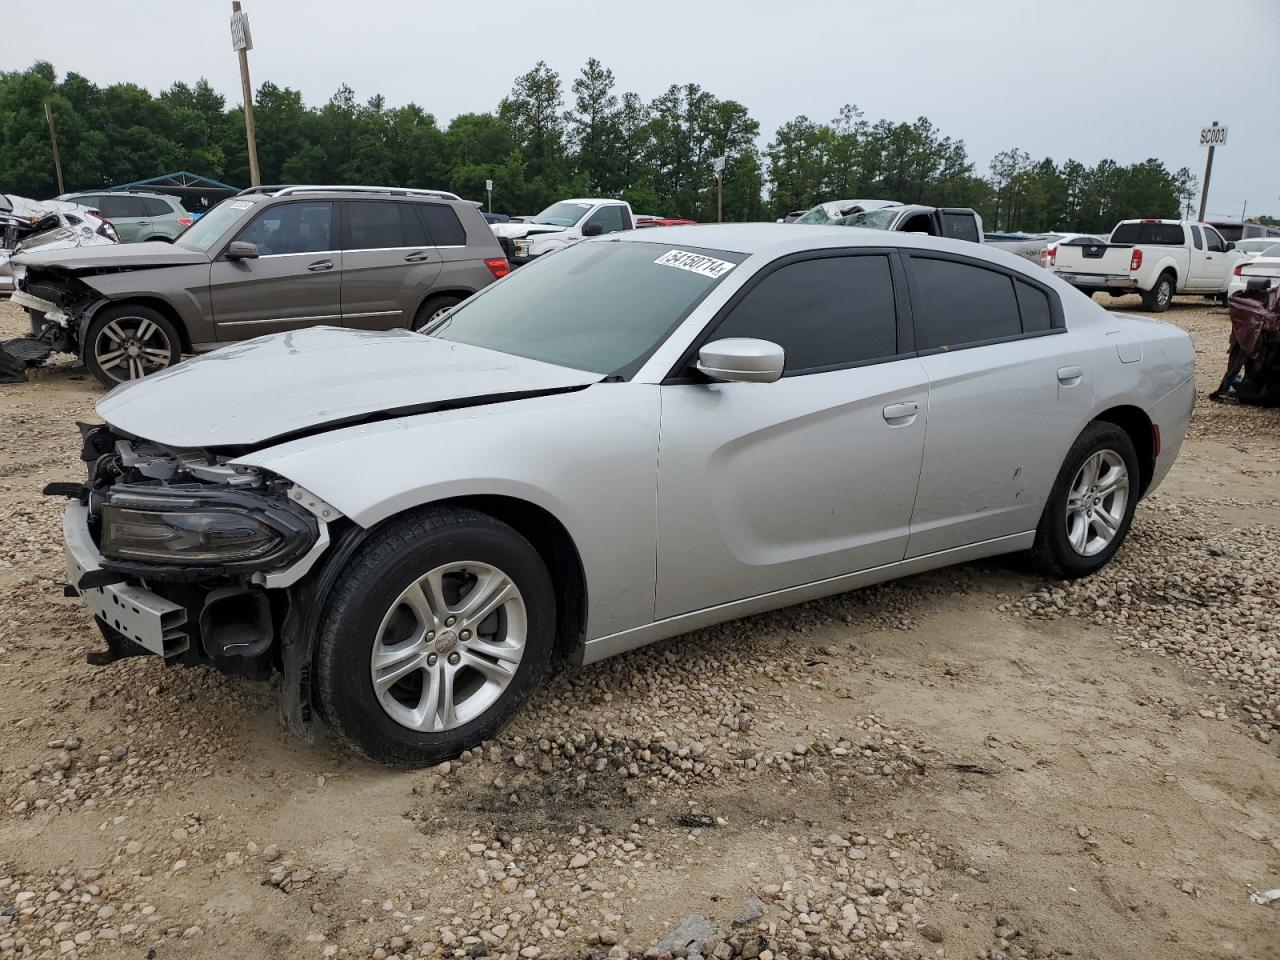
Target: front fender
[{"x": 587, "y": 457}]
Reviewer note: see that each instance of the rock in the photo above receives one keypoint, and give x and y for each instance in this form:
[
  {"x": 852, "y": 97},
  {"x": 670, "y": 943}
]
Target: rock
[
  {"x": 931, "y": 933},
  {"x": 689, "y": 937},
  {"x": 270, "y": 852},
  {"x": 191, "y": 933}
]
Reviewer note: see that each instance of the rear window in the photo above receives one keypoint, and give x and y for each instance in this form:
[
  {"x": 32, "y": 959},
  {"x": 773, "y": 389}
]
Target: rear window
[
  {"x": 1033, "y": 304},
  {"x": 155, "y": 207},
  {"x": 959, "y": 226},
  {"x": 373, "y": 225},
  {"x": 1158, "y": 234},
  {"x": 443, "y": 226},
  {"x": 963, "y": 304}
]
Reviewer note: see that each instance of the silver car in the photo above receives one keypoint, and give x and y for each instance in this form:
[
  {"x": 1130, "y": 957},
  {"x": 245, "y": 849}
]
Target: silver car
[{"x": 632, "y": 438}]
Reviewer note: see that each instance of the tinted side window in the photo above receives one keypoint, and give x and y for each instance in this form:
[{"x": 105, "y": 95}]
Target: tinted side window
[
  {"x": 296, "y": 227},
  {"x": 1195, "y": 238},
  {"x": 155, "y": 207},
  {"x": 415, "y": 234},
  {"x": 116, "y": 205},
  {"x": 1213, "y": 240},
  {"x": 962, "y": 304},
  {"x": 443, "y": 226},
  {"x": 823, "y": 313},
  {"x": 373, "y": 225},
  {"x": 959, "y": 226},
  {"x": 608, "y": 219},
  {"x": 1033, "y": 304}
]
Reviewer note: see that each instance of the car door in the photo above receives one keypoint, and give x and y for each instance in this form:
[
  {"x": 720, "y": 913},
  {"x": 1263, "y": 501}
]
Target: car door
[
  {"x": 388, "y": 264},
  {"x": 1198, "y": 277},
  {"x": 1218, "y": 261},
  {"x": 1009, "y": 387},
  {"x": 126, "y": 214},
  {"x": 764, "y": 486},
  {"x": 294, "y": 282}
]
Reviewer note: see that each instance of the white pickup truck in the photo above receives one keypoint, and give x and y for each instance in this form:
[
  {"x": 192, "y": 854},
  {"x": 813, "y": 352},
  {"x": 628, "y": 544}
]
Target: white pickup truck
[
  {"x": 959, "y": 223},
  {"x": 560, "y": 225},
  {"x": 1156, "y": 258}
]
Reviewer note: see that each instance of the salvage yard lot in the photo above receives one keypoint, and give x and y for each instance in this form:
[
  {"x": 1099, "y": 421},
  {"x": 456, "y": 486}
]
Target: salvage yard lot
[{"x": 971, "y": 762}]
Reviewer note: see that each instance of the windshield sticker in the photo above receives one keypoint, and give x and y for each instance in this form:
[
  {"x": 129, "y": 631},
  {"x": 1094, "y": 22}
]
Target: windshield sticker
[
  {"x": 695, "y": 263},
  {"x": 241, "y": 204}
]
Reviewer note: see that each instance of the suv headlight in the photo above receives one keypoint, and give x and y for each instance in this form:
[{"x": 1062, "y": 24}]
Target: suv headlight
[
  {"x": 521, "y": 248},
  {"x": 229, "y": 530}
]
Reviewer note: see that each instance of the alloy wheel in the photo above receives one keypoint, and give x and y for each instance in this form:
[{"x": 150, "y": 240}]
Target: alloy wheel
[
  {"x": 129, "y": 348},
  {"x": 449, "y": 646},
  {"x": 1097, "y": 503}
]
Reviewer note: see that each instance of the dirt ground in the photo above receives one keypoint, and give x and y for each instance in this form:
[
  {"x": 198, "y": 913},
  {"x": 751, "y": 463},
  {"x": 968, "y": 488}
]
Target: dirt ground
[{"x": 973, "y": 762}]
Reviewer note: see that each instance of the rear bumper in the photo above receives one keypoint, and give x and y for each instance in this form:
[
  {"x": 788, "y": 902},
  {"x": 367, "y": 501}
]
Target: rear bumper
[{"x": 1100, "y": 281}]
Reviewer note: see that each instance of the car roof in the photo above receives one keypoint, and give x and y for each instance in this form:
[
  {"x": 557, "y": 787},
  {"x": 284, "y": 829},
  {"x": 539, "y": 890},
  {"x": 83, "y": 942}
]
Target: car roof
[
  {"x": 591, "y": 200},
  {"x": 773, "y": 240}
]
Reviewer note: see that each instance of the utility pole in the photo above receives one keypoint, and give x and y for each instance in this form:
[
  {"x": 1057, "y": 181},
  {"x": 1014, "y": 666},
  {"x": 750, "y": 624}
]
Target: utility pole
[
  {"x": 53, "y": 139},
  {"x": 718, "y": 166},
  {"x": 1243, "y": 207},
  {"x": 242, "y": 43},
  {"x": 1208, "y": 168}
]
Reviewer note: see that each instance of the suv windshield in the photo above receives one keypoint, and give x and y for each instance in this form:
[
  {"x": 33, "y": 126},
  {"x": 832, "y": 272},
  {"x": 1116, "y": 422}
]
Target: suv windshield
[
  {"x": 871, "y": 219},
  {"x": 562, "y": 214},
  {"x": 206, "y": 231},
  {"x": 599, "y": 307}
]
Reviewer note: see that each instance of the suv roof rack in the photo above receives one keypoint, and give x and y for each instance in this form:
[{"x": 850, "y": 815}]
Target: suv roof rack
[
  {"x": 265, "y": 188},
  {"x": 397, "y": 191}
]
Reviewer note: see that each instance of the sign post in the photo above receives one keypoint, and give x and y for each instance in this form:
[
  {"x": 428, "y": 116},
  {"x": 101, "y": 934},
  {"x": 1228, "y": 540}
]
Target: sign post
[
  {"x": 1211, "y": 136},
  {"x": 488, "y": 188},
  {"x": 718, "y": 166},
  {"x": 242, "y": 43}
]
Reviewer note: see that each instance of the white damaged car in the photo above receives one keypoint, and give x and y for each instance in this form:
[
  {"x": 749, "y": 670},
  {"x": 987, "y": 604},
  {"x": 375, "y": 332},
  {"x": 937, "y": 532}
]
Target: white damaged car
[{"x": 632, "y": 438}]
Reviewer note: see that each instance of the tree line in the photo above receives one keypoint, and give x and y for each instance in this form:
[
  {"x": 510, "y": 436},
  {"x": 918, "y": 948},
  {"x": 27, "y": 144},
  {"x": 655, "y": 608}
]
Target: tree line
[{"x": 545, "y": 142}]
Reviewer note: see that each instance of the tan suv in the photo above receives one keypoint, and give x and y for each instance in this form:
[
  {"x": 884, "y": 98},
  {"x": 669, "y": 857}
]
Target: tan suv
[{"x": 261, "y": 262}]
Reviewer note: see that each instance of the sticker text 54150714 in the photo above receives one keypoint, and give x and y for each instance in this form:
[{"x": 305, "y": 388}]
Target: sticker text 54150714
[{"x": 695, "y": 263}]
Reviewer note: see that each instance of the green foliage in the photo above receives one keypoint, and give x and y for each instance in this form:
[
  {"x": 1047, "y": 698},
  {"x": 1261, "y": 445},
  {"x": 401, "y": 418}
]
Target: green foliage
[{"x": 657, "y": 155}]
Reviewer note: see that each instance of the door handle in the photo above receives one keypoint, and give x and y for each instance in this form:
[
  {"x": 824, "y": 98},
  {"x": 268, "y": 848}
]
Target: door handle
[
  {"x": 900, "y": 414},
  {"x": 417, "y": 257},
  {"x": 1070, "y": 376},
  {"x": 320, "y": 265},
  {"x": 144, "y": 223}
]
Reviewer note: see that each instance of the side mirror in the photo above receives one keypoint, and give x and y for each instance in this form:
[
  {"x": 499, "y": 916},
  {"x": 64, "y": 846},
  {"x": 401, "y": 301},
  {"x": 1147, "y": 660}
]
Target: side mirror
[
  {"x": 592, "y": 230},
  {"x": 1230, "y": 246},
  {"x": 742, "y": 360},
  {"x": 242, "y": 250}
]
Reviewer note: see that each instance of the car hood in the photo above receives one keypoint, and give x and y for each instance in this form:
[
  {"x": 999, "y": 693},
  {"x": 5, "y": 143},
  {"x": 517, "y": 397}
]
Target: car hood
[
  {"x": 154, "y": 253},
  {"x": 290, "y": 384},
  {"x": 514, "y": 231}
]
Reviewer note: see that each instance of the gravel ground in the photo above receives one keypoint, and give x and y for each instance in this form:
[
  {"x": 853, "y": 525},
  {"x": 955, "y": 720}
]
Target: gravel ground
[{"x": 970, "y": 763}]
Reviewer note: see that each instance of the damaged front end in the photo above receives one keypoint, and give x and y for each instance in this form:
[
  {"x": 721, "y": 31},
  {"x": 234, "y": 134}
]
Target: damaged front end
[
  {"x": 184, "y": 555},
  {"x": 60, "y": 305}
]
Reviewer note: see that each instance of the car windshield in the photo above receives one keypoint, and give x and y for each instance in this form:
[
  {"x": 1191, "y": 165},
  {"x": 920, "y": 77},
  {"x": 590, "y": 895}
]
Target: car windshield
[
  {"x": 601, "y": 307},
  {"x": 817, "y": 215},
  {"x": 872, "y": 219},
  {"x": 206, "y": 231},
  {"x": 563, "y": 214}
]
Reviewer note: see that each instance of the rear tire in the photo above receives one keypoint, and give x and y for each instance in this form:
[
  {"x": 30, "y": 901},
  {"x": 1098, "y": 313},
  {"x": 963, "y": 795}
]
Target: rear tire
[
  {"x": 433, "y": 307},
  {"x": 1158, "y": 298},
  {"x": 1090, "y": 509},
  {"x": 406, "y": 674},
  {"x": 128, "y": 341}
]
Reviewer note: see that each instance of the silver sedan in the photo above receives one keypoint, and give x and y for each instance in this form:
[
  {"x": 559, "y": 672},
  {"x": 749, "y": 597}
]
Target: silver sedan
[{"x": 635, "y": 437}]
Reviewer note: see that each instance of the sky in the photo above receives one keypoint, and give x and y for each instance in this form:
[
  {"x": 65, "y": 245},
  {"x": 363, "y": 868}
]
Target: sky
[{"x": 1087, "y": 79}]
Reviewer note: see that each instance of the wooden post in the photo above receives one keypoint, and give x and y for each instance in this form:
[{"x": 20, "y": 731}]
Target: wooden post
[
  {"x": 255, "y": 178},
  {"x": 53, "y": 139},
  {"x": 1208, "y": 169}
]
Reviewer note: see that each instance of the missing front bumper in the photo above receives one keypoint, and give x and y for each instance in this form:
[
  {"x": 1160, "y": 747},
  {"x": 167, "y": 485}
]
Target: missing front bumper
[{"x": 147, "y": 619}]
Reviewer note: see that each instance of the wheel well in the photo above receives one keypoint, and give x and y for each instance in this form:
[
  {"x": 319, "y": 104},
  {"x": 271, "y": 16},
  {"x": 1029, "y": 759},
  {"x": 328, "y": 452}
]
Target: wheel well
[
  {"x": 436, "y": 294},
  {"x": 1173, "y": 275},
  {"x": 558, "y": 552},
  {"x": 161, "y": 307},
  {"x": 1135, "y": 422}
]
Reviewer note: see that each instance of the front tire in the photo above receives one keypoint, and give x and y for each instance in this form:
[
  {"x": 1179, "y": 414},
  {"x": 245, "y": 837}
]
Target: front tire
[
  {"x": 1090, "y": 510},
  {"x": 435, "y": 634},
  {"x": 1158, "y": 298},
  {"x": 127, "y": 342}
]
